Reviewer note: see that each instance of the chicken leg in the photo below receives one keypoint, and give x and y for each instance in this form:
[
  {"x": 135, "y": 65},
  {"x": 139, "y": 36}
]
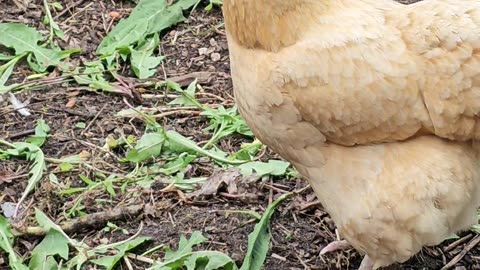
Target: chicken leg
[{"x": 367, "y": 263}]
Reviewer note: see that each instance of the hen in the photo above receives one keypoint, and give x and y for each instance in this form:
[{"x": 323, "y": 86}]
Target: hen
[{"x": 375, "y": 103}]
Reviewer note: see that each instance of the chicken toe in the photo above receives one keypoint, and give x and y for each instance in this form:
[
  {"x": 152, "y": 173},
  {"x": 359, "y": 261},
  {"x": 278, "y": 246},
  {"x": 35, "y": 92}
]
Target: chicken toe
[
  {"x": 334, "y": 246},
  {"x": 367, "y": 263}
]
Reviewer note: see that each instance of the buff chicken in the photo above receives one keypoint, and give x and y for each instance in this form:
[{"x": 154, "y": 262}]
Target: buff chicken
[{"x": 376, "y": 103}]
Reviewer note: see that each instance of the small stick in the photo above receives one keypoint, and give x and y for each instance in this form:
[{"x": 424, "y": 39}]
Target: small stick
[
  {"x": 94, "y": 118},
  {"x": 180, "y": 112},
  {"x": 91, "y": 220},
  {"x": 300, "y": 191},
  {"x": 21, "y": 134},
  {"x": 141, "y": 258},
  {"x": 302, "y": 262},
  {"x": 272, "y": 187},
  {"x": 310, "y": 205},
  {"x": 458, "y": 242},
  {"x": 128, "y": 263},
  {"x": 68, "y": 8},
  {"x": 460, "y": 255}
]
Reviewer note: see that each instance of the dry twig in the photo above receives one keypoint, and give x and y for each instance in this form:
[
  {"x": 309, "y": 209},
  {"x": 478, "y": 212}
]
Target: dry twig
[{"x": 92, "y": 220}]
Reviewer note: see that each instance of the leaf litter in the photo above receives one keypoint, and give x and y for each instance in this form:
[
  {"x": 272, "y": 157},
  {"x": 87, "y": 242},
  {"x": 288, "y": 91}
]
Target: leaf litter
[{"x": 177, "y": 164}]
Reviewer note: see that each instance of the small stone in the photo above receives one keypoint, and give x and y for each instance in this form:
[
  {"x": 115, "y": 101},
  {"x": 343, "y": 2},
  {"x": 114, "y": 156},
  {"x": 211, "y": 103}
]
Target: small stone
[
  {"x": 8, "y": 209},
  {"x": 213, "y": 42},
  {"x": 215, "y": 57},
  {"x": 202, "y": 51}
]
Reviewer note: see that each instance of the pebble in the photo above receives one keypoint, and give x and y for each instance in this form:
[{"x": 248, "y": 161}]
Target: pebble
[
  {"x": 215, "y": 57},
  {"x": 203, "y": 51}
]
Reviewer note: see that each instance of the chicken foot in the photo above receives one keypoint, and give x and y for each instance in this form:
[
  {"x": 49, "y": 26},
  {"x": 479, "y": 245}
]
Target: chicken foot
[
  {"x": 367, "y": 263},
  {"x": 335, "y": 246}
]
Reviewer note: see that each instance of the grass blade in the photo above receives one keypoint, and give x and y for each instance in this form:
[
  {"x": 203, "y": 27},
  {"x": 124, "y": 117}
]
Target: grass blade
[
  {"x": 6, "y": 242},
  {"x": 35, "y": 154},
  {"x": 259, "y": 239}
]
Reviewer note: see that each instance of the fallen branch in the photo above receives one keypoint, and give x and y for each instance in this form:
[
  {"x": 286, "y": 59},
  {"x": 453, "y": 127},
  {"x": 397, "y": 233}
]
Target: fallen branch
[{"x": 92, "y": 220}]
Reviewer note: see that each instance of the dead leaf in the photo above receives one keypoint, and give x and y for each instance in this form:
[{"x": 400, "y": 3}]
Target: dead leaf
[
  {"x": 84, "y": 155},
  {"x": 150, "y": 210},
  {"x": 71, "y": 103},
  {"x": 73, "y": 93},
  {"x": 217, "y": 181}
]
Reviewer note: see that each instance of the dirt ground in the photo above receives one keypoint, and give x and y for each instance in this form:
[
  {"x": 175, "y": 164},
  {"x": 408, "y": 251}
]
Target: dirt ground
[{"x": 300, "y": 227}]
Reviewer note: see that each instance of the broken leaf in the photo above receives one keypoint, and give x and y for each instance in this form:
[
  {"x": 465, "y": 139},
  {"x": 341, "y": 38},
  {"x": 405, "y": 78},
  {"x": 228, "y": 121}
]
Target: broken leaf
[
  {"x": 218, "y": 179},
  {"x": 25, "y": 39},
  {"x": 150, "y": 145}
]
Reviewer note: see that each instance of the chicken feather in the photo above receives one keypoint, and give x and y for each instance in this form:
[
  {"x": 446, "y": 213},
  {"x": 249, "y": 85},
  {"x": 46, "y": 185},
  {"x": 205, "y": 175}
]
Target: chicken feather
[{"x": 375, "y": 103}]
